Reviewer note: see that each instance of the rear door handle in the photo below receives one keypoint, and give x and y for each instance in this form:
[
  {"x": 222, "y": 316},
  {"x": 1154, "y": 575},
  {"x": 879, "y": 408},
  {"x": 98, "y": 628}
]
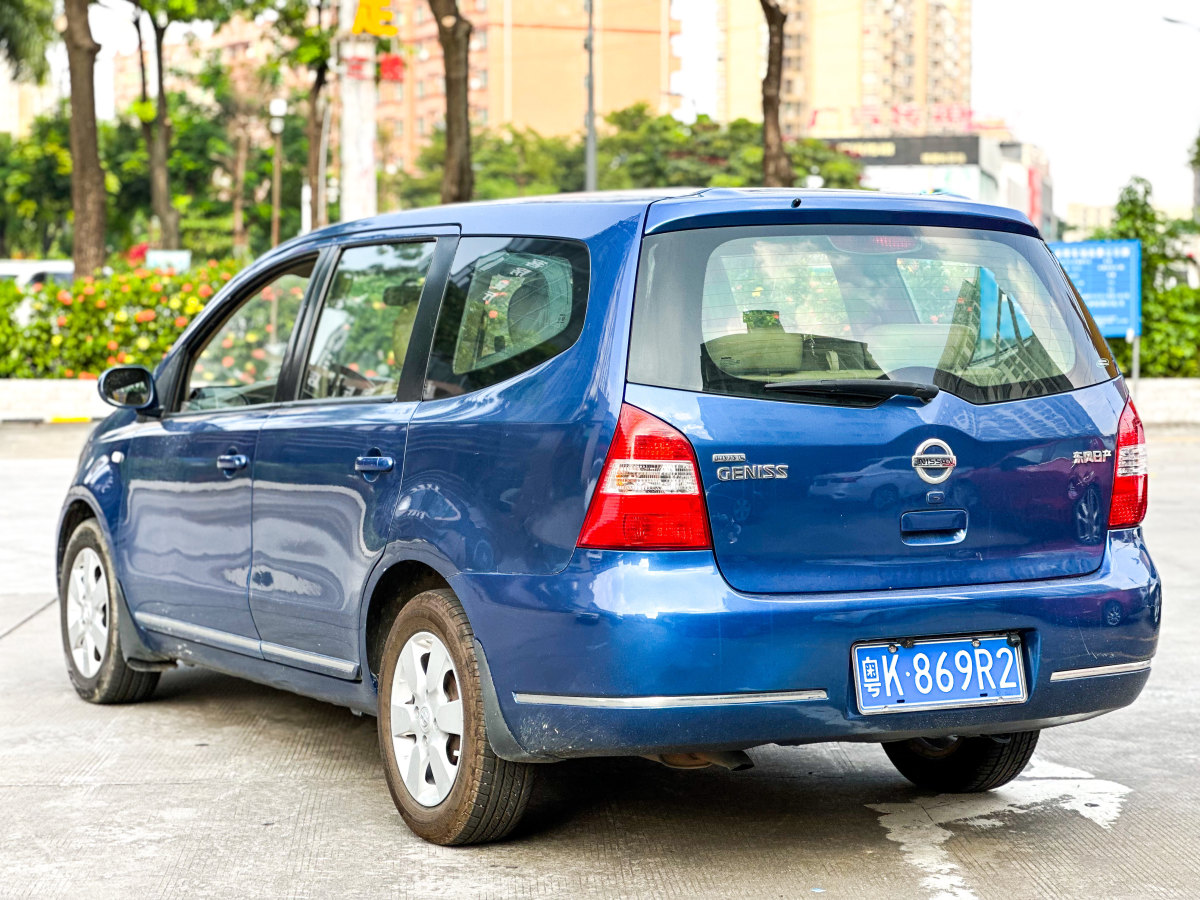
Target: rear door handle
[
  {"x": 231, "y": 462},
  {"x": 373, "y": 465}
]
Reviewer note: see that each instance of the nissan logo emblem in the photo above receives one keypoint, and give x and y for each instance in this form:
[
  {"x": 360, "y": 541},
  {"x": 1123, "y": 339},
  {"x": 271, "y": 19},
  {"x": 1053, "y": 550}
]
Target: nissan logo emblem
[{"x": 934, "y": 461}]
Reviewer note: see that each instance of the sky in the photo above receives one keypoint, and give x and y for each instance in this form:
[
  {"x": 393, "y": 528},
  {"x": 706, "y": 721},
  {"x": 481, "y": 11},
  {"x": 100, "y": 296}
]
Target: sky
[{"x": 1106, "y": 87}]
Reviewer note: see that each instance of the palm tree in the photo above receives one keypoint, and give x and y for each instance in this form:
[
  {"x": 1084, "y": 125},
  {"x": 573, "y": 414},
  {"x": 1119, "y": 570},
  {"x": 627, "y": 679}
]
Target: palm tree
[{"x": 26, "y": 27}]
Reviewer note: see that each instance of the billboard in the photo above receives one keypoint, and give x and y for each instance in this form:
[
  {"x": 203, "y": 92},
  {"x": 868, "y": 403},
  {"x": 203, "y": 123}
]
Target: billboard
[{"x": 1108, "y": 276}]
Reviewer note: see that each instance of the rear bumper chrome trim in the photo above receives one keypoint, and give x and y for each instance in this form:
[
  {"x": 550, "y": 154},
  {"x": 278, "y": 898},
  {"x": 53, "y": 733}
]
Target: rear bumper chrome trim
[
  {"x": 1118, "y": 669},
  {"x": 672, "y": 701}
]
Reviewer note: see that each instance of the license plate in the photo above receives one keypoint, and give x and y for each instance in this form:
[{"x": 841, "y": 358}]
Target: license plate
[{"x": 937, "y": 673}]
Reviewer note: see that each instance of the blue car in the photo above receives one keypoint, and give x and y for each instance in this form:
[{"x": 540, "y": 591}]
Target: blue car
[{"x": 663, "y": 474}]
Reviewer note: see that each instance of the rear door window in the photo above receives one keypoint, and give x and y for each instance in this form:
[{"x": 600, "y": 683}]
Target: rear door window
[
  {"x": 511, "y": 303},
  {"x": 366, "y": 321},
  {"x": 984, "y": 315}
]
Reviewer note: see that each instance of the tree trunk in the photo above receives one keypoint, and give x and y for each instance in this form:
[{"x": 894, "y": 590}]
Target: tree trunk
[
  {"x": 159, "y": 151},
  {"x": 241, "y": 153},
  {"x": 315, "y": 129},
  {"x": 87, "y": 178},
  {"x": 777, "y": 167},
  {"x": 454, "y": 34}
]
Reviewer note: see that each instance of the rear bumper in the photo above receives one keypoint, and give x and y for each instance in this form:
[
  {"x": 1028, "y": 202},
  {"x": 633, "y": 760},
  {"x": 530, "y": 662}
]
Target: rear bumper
[{"x": 627, "y": 653}]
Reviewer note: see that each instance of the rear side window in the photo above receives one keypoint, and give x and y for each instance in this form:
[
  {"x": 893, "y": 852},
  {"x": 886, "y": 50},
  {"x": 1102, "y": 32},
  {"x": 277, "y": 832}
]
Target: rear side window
[
  {"x": 510, "y": 304},
  {"x": 984, "y": 315}
]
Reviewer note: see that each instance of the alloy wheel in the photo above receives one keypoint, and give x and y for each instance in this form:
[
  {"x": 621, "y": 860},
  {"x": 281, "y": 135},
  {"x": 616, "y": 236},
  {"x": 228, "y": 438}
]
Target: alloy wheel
[
  {"x": 87, "y": 612},
  {"x": 426, "y": 718}
]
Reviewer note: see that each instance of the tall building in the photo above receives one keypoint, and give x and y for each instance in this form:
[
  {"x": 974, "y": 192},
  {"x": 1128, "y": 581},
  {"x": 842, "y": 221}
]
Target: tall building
[
  {"x": 741, "y": 58},
  {"x": 876, "y": 67},
  {"x": 527, "y": 67},
  {"x": 21, "y": 102},
  {"x": 850, "y": 67}
]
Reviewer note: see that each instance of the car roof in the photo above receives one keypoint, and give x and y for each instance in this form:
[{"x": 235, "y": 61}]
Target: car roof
[{"x": 582, "y": 215}]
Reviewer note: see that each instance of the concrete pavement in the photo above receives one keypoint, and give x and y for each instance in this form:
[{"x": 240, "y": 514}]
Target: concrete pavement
[{"x": 219, "y": 788}]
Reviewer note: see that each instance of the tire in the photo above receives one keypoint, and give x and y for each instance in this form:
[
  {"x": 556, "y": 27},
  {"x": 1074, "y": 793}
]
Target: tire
[
  {"x": 963, "y": 765},
  {"x": 92, "y": 644},
  {"x": 485, "y": 796}
]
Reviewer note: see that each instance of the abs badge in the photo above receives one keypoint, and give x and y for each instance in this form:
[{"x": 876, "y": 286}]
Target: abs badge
[{"x": 934, "y": 461}]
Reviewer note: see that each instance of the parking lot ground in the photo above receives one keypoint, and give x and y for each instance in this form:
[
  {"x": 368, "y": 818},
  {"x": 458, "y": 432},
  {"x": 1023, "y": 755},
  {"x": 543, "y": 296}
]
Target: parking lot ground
[{"x": 221, "y": 788}]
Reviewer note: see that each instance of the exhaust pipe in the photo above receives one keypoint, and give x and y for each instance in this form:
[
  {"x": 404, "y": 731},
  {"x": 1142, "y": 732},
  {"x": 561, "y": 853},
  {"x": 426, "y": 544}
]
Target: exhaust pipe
[{"x": 733, "y": 760}]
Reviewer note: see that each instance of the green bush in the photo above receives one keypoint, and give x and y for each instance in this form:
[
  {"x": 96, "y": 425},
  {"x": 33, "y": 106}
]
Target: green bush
[{"x": 77, "y": 332}]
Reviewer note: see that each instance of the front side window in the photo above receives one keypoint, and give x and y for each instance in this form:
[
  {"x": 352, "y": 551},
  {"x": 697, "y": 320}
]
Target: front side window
[
  {"x": 510, "y": 304},
  {"x": 984, "y": 315},
  {"x": 239, "y": 365},
  {"x": 366, "y": 322}
]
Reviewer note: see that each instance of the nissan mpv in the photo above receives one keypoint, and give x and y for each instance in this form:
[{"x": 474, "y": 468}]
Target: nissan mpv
[{"x": 668, "y": 475}]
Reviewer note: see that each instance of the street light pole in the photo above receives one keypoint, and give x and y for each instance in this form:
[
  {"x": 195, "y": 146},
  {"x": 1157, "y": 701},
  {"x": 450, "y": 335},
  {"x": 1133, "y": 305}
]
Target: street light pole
[
  {"x": 589, "y": 178},
  {"x": 278, "y": 109}
]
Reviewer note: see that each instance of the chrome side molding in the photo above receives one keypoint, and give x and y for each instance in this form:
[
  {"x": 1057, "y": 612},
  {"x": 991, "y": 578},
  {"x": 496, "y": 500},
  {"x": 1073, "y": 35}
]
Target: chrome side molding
[
  {"x": 672, "y": 701},
  {"x": 236, "y": 643}
]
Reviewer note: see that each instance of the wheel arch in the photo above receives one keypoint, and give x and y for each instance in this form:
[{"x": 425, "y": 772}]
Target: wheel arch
[
  {"x": 395, "y": 580},
  {"x": 80, "y": 506}
]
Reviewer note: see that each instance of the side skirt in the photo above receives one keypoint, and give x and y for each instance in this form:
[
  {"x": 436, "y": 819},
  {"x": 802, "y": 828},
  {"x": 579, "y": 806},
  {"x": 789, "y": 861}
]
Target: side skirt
[{"x": 344, "y": 669}]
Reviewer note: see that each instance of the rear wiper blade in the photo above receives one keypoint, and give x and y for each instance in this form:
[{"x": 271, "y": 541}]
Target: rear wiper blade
[{"x": 857, "y": 387}]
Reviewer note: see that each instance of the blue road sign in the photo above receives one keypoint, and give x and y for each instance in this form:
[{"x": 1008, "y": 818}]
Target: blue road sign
[{"x": 1108, "y": 275}]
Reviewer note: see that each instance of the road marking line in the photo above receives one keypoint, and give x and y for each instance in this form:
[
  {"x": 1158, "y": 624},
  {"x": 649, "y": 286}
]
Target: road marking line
[{"x": 917, "y": 825}]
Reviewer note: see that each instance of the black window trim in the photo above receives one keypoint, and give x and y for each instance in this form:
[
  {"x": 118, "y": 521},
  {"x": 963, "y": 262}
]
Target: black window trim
[
  {"x": 200, "y": 339},
  {"x": 409, "y": 383}
]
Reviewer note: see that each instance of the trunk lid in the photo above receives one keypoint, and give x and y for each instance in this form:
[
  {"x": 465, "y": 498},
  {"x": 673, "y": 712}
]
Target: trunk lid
[
  {"x": 774, "y": 349},
  {"x": 853, "y": 513}
]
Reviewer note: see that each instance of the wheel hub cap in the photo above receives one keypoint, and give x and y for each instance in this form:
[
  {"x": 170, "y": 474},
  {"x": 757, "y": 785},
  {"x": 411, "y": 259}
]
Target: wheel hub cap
[
  {"x": 87, "y": 612},
  {"x": 426, "y": 719}
]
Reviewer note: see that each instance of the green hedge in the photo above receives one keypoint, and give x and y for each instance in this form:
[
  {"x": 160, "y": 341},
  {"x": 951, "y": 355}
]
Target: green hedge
[{"x": 78, "y": 332}]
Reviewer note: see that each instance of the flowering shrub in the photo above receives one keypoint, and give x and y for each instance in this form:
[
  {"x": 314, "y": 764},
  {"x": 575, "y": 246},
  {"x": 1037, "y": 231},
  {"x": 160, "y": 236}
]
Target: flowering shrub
[{"x": 128, "y": 317}]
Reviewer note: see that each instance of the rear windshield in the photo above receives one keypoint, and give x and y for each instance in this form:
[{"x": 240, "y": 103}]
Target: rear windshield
[{"x": 985, "y": 315}]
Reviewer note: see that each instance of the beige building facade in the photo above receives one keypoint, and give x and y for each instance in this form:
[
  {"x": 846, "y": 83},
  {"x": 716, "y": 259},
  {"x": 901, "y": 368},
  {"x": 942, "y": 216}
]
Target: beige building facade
[
  {"x": 851, "y": 68},
  {"x": 741, "y": 60},
  {"x": 876, "y": 67},
  {"x": 528, "y": 66}
]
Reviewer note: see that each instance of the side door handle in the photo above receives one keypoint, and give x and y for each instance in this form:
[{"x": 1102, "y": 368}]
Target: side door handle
[
  {"x": 374, "y": 465},
  {"x": 231, "y": 462}
]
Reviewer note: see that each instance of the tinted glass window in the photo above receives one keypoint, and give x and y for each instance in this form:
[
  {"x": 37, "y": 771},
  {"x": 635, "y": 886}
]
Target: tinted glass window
[
  {"x": 984, "y": 315},
  {"x": 510, "y": 304},
  {"x": 366, "y": 321},
  {"x": 239, "y": 364}
]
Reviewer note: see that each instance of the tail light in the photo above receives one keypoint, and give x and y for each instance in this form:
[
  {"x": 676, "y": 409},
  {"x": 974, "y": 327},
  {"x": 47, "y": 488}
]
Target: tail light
[
  {"x": 649, "y": 495},
  {"x": 1132, "y": 476}
]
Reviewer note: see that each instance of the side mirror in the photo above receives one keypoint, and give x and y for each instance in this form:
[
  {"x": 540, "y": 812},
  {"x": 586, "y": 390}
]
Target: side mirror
[{"x": 128, "y": 387}]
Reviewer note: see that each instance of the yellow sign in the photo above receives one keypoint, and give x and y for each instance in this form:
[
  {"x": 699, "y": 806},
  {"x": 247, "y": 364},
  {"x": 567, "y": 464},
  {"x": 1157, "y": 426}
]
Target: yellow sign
[{"x": 374, "y": 17}]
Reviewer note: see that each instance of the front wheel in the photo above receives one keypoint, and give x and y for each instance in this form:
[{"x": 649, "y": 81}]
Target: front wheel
[
  {"x": 963, "y": 765},
  {"x": 89, "y": 615},
  {"x": 448, "y": 785}
]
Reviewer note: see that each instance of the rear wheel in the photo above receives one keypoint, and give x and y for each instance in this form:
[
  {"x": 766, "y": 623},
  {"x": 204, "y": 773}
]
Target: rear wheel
[
  {"x": 963, "y": 765},
  {"x": 89, "y": 615},
  {"x": 448, "y": 785}
]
